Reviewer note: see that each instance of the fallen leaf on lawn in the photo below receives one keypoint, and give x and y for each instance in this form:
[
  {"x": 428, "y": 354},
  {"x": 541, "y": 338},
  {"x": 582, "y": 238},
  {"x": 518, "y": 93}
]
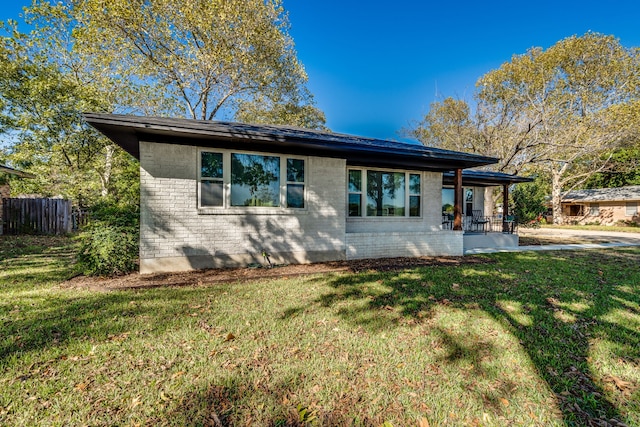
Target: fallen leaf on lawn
[
  {"x": 504, "y": 401},
  {"x": 164, "y": 397},
  {"x": 177, "y": 374},
  {"x": 455, "y": 286},
  {"x": 620, "y": 383},
  {"x": 135, "y": 402},
  {"x": 423, "y": 422},
  {"x": 388, "y": 307},
  {"x": 81, "y": 386},
  {"x": 230, "y": 337}
]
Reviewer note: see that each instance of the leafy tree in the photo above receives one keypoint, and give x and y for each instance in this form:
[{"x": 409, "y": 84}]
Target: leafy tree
[
  {"x": 529, "y": 200},
  {"x": 209, "y": 56},
  {"x": 43, "y": 90},
  {"x": 624, "y": 170},
  {"x": 201, "y": 59},
  {"x": 556, "y": 111}
]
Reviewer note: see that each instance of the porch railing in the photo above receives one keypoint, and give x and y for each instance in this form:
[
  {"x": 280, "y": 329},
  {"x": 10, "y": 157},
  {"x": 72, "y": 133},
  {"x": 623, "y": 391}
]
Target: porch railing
[{"x": 485, "y": 224}]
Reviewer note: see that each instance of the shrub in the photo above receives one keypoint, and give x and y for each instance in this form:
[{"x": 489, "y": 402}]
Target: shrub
[
  {"x": 109, "y": 242},
  {"x": 529, "y": 201}
]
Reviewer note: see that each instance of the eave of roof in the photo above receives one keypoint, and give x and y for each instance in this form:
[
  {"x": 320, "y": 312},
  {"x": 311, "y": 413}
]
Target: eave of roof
[
  {"x": 128, "y": 131},
  {"x": 484, "y": 178},
  {"x": 619, "y": 194},
  {"x": 16, "y": 172}
]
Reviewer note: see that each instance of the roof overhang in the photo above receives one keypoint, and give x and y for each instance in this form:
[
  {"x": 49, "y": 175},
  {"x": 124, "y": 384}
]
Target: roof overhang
[
  {"x": 128, "y": 131},
  {"x": 15, "y": 172},
  {"x": 474, "y": 178}
]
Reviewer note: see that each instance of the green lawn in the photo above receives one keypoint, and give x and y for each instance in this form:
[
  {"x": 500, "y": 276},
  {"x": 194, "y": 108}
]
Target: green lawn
[
  {"x": 549, "y": 338},
  {"x": 624, "y": 229}
]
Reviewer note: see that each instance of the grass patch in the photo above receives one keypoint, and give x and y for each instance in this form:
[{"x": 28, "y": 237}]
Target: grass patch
[
  {"x": 625, "y": 229},
  {"x": 530, "y": 339}
]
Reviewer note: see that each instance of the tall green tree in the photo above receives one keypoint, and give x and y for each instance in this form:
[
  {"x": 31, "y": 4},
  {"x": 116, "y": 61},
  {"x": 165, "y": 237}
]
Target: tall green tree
[
  {"x": 210, "y": 56},
  {"x": 199, "y": 59},
  {"x": 557, "y": 111}
]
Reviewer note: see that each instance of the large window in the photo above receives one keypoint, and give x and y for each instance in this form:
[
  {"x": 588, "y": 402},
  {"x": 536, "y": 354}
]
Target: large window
[
  {"x": 374, "y": 193},
  {"x": 631, "y": 209},
  {"x": 385, "y": 193},
  {"x": 253, "y": 180}
]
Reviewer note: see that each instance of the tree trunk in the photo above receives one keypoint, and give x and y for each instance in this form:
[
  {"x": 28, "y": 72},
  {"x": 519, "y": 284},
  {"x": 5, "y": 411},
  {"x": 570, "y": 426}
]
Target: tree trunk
[
  {"x": 108, "y": 165},
  {"x": 556, "y": 197}
]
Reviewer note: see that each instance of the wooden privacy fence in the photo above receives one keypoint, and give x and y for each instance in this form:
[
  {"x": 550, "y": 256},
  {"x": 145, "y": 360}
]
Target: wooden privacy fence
[{"x": 39, "y": 216}]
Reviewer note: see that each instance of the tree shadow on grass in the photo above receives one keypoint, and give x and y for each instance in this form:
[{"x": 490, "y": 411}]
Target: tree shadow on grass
[
  {"x": 54, "y": 320},
  {"x": 229, "y": 403},
  {"x": 555, "y": 304}
]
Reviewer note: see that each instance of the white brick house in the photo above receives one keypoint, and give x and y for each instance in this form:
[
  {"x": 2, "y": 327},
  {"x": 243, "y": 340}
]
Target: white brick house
[{"x": 217, "y": 194}]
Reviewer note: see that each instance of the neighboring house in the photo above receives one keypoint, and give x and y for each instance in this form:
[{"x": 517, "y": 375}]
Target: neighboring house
[
  {"x": 219, "y": 194},
  {"x": 606, "y": 206},
  {"x": 5, "y": 188}
]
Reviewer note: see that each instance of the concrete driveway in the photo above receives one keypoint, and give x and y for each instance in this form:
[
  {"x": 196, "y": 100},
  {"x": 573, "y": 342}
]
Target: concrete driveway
[
  {"x": 588, "y": 235},
  {"x": 590, "y": 240}
]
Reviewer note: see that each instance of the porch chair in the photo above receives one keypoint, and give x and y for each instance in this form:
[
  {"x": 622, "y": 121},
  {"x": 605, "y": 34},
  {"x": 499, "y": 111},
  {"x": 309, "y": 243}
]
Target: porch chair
[{"x": 478, "y": 220}]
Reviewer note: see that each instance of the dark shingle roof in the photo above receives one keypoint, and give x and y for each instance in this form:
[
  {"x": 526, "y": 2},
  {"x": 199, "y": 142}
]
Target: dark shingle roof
[
  {"x": 628, "y": 193},
  {"x": 484, "y": 178},
  {"x": 128, "y": 131}
]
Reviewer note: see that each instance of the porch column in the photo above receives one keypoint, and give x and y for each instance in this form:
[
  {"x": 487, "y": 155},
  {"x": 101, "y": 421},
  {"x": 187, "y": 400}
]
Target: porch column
[
  {"x": 505, "y": 208},
  {"x": 457, "y": 200}
]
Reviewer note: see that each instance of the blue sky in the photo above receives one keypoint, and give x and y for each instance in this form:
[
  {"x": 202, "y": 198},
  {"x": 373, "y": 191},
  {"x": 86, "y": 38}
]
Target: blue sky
[{"x": 375, "y": 66}]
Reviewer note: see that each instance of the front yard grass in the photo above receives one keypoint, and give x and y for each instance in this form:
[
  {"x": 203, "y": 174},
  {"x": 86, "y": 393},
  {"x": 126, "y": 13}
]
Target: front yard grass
[
  {"x": 548, "y": 338},
  {"x": 621, "y": 228}
]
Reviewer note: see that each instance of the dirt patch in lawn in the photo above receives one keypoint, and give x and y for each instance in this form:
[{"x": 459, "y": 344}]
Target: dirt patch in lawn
[
  {"x": 551, "y": 240},
  {"x": 227, "y": 275}
]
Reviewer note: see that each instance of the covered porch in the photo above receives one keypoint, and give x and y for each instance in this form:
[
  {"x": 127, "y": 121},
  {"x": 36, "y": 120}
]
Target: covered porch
[{"x": 472, "y": 215}]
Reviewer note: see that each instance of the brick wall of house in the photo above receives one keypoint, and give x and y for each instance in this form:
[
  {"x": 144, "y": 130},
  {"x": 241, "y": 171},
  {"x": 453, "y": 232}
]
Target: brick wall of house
[
  {"x": 404, "y": 244},
  {"x": 177, "y": 235}
]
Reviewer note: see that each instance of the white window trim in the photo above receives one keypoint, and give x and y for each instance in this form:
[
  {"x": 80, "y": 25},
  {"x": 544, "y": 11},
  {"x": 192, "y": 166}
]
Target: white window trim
[
  {"x": 363, "y": 195},
  {"x": 227, "y": 209}
]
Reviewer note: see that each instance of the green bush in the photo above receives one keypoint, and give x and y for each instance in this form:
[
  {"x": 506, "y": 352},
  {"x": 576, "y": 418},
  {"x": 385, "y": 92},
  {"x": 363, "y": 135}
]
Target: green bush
[
  {"x": 529, "y": 201},
  {"x": 109, "y": 242}
]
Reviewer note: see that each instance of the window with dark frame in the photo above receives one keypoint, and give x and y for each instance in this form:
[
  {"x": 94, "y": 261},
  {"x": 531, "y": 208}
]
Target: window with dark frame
[
  {"x": 295, "y": 183},
  {"x": 414, "y": 194},
  {"x": 355, "y": 193},
  {"x": 211, "y": 179},
  {"x": 376, "y": 193},
  {"x": 254, "y": 180}
]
